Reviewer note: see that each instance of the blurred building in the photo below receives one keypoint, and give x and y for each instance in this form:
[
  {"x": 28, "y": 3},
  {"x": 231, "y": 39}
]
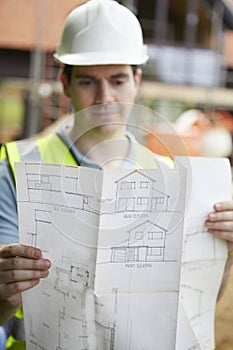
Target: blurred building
[
  {"x": 190, "y": 43},
  {"x": 186, "y": 40},
  {"x": 30, "y": 94}
]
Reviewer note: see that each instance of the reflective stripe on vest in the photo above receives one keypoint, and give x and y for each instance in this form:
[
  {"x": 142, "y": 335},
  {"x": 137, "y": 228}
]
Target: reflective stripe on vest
[
  {"x": 28, "y": 151},
  {"x": 49, "y": 149}
]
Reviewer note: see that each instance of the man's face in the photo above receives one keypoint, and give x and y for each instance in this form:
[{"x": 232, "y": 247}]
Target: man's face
[{"x": 111, "y": 89}]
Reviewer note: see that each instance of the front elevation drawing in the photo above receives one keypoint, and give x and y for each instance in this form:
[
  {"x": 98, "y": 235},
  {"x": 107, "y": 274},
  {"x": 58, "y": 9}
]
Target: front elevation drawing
[
  {"x": 145, "y": 242},
  {"x": 137, "y": 191}
]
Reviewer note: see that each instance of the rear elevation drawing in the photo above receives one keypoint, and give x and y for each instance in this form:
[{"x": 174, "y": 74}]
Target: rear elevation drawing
[
  {"x": 49, "y": 187},
  {"x": 136, "y": 192},
  {"x": 145, "y": 242}
]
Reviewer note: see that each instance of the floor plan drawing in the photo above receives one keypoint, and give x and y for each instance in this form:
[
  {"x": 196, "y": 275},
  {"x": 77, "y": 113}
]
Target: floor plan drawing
[
  {"x": 40, "y": 216},
  {"x": 68, "y": 283},
  {"x": 73, "y": 274},
  {"x": 125, "y": 256}
]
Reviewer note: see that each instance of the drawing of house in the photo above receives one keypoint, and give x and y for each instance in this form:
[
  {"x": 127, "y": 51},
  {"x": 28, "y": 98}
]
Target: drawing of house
[
  {"x": 78, "y": 201},
  {"x": 136, "y": 192},
  {"x": 46, "y": 189},
  {"x": 145, "y": 242}
]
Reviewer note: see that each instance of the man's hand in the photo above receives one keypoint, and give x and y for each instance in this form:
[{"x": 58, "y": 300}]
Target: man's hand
[
  {"x": 21, "y": 268},
  {"x": 220, "y": 222}
]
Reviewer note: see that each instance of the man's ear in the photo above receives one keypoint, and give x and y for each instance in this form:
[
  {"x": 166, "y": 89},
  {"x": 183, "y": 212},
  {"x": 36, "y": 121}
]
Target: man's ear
[
  {"x": 138, "y": 77},
  {"x": 65, "y": 84}
]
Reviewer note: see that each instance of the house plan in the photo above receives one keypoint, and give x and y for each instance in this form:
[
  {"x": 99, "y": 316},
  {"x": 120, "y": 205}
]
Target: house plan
[{"x": 123, "y": 265}]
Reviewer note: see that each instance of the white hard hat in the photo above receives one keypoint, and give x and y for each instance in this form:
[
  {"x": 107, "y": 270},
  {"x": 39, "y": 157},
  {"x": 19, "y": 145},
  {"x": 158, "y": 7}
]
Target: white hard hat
[{"x": 101, "y": 32}]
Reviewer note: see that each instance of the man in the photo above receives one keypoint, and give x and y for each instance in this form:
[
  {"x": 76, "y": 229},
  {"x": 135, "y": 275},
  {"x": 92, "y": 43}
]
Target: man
[{"x": 101, "y": 48}]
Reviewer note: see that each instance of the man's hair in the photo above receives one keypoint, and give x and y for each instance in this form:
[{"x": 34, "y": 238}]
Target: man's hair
[{"x": 67, "y": 70}]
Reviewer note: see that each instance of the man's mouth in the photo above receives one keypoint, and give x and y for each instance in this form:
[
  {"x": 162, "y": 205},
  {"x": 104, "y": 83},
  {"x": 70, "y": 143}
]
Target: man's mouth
[{"x": 105, "y": 115}]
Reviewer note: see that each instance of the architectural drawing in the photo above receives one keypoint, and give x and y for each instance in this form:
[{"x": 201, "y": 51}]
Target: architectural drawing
[
  {"x": 75, "y": 274},
  {"x": 145, "y": 242},
  {"x": 195, "y": 295},
  {"x": 208, "y": 244},
  {"x": 124, "y": 252},
  {"x": 200, "y": 308},
  {"x": 137, "y": 191},
  {"x": 106, "y": 335},
  {"x": 50, "y": 187},
  {"x": 40, "y": 216},
  {"x": 106, "y": 332},
  {"x": 203, "y": 256}
]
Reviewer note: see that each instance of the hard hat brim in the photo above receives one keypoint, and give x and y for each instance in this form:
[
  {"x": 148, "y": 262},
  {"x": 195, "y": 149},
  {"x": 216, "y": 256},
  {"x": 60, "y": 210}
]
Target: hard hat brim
[{"x": 97, "y": 58}]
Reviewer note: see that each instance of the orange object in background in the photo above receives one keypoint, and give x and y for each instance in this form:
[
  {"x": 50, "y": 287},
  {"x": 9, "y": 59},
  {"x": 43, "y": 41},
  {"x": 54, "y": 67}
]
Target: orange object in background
[
  {"x": 172, "y": 144},
  {"x": 191, "y": 134}
]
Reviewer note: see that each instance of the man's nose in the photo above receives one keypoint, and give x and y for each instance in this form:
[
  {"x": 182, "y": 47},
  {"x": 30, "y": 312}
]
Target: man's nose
[{"x": 104, "y": 93}]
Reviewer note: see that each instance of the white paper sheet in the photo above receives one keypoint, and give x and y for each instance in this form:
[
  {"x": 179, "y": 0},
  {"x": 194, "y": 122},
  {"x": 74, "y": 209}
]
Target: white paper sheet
[
  {"x": 115, "y": 239},
  {"x": 204, "y": 256}
]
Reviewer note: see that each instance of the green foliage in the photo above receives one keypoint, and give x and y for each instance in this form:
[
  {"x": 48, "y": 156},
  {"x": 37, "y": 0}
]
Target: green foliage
[{"x": 11, "y": 112}]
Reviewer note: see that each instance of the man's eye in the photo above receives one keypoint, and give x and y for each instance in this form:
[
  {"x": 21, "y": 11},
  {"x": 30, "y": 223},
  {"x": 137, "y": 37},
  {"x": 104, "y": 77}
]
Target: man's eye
[
  {"x": 118, "y": 81},
  {"x": 85, "y": 82}
]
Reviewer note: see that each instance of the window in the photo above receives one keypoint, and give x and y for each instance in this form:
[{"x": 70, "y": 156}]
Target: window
[
  {"x": 144, "y": 184},
  {"x": 159, "y": 200},
  {"x": 44, "y": 179},
  {"x": 142, "y": 200},
  {"x": 138, "y": 235},
  {"x": 155, "y": 235},
  {"x": 128, "y": 185},
  {"x": 155, "y": 251},
  {"x": 85, "y": 199}
]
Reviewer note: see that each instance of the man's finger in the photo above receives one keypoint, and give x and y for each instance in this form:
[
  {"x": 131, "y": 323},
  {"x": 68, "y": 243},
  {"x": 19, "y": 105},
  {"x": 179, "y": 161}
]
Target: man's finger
[
  {"x": 22, "y": 275},
  {"x": 220, "y": 225},
  {"x": 220, "y": 206},
  {"x": 9, "y": 290},
  {"x": 11, "y": 250},
  {"x": 19, "y": 263}
]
